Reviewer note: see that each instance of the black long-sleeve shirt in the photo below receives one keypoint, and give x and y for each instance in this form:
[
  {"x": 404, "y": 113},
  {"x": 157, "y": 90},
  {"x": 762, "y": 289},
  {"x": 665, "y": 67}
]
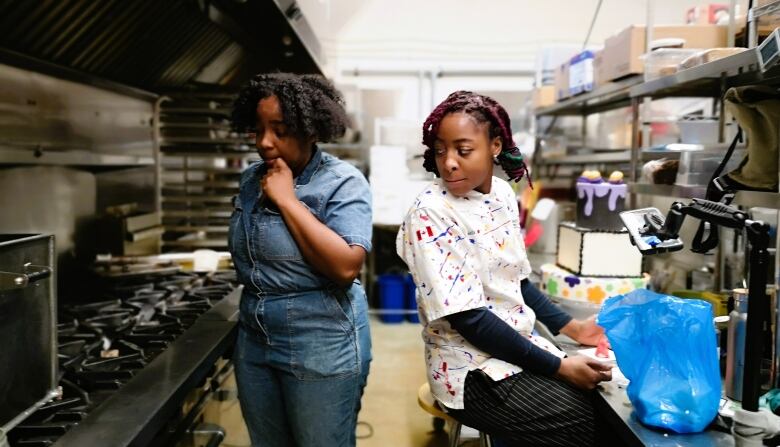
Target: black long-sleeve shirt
[{"x": 487, "y": 332}]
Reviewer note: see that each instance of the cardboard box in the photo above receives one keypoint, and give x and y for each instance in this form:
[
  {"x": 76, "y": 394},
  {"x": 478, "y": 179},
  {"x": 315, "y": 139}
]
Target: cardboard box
[
  {"x": 707, "y": 14},
  {"x": 562, "y": 81},
  {"x": 622, "y": 51},
  {"x": 598, "y": 69},
  {"x": 543, "y": 96}
]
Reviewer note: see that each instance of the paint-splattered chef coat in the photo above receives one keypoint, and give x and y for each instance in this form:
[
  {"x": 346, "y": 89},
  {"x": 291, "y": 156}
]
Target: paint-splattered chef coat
[{"x": 465, "y": 253}]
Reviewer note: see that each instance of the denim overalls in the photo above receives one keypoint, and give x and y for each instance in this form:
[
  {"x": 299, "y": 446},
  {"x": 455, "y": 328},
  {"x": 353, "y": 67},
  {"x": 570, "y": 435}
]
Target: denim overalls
[{"x": 303, "y": 348}]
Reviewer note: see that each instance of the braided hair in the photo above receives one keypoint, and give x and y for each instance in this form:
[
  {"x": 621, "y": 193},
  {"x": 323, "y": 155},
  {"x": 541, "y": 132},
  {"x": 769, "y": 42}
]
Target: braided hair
[
  {"x": 485, "y": 110},
  {"x": 311, "y": 106}
]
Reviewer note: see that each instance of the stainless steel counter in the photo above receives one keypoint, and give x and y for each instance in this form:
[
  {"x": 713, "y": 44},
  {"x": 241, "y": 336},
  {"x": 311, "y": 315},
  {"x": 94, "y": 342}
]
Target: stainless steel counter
[{"x": 613, "y": 405}]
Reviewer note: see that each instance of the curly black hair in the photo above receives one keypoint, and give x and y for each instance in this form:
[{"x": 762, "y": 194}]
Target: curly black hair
[
  {"x": 484, "y": 110},
  {"x": 311, "y": 105}
]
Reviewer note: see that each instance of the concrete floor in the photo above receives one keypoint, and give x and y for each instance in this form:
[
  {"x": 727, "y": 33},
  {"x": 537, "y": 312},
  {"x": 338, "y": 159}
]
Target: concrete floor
[{"x": 390, "y": 399}]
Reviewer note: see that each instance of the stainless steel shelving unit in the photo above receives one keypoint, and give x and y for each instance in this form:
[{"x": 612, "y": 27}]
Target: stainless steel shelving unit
[
  {"x": 595, "y": 158},
  {"x": 610, "y": 96},
  {"x": 200, "y": 164},
  {"x": 747, "y": 199},
  {"x": 706, "y": 80},
  {"x": 710, "y": 80},
  {"x": 606, "y": 157},
  {"x": 695, "y": 191}
]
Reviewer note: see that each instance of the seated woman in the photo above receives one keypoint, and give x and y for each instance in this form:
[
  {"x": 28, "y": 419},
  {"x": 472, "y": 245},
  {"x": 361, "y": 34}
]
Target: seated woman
[{"x": 461, "y": 240}]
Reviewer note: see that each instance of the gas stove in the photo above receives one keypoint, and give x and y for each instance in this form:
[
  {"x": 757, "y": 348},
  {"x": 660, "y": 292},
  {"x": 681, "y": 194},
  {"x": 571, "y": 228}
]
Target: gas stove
[{"x": 109, "y": 343}]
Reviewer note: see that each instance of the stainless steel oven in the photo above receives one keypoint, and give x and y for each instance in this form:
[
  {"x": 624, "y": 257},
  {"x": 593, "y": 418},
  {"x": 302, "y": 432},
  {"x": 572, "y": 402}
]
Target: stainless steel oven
[{"x": 28, "y": 322}]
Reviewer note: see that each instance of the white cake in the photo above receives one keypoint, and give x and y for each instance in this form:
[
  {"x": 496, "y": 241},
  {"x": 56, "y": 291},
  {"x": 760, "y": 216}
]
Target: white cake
[
  {"x": 564, "y": 286},
  {"x": 595, "y": 258},
  {"x": 597, "y": 253}
]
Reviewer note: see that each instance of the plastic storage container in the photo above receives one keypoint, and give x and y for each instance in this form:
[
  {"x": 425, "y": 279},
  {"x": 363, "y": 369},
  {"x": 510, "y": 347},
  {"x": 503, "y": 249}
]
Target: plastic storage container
[
  {"x": 703, "y": 130},
  {"x": 553, "y": 147},
  {"x": 696, "y": 167},
  {"x": 391, "y": 298},
  {"x": 411, "y": 300},
  {"x": 664, "y": 61}
]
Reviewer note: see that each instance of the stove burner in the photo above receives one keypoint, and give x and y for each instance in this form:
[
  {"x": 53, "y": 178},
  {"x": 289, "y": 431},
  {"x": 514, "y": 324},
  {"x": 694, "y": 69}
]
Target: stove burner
[
  {"x": 133, "y": 268},
  {"x": 103, "y": 344}
]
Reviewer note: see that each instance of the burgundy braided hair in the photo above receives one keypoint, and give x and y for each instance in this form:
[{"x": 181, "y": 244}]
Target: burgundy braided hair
[{"x": 483, "y": 109}]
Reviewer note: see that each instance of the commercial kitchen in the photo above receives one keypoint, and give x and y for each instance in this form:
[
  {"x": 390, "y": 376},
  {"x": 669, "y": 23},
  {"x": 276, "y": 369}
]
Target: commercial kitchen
[{"x": 609, "y": 278}]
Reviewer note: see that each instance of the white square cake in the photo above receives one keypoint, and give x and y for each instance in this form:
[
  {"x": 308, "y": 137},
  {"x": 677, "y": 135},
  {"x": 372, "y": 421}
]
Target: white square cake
[{"x": 597, "y": 253}]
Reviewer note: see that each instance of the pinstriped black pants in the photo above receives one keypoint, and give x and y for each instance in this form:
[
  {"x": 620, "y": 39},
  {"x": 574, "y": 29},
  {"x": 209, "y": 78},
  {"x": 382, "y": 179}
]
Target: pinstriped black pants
[{"x": 527, "y": 409}]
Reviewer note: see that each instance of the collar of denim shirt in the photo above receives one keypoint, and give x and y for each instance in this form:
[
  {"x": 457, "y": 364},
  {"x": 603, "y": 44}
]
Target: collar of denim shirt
[
  {"x": 251, "y": 195},
  {"x": 314, "y": 163}
]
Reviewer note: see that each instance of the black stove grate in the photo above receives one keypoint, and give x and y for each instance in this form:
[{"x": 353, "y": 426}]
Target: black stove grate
[{"x": 103, "y": 344}]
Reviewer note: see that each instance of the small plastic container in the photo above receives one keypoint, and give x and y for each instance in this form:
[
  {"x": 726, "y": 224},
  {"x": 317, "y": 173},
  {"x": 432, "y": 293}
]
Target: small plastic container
[
  {"x": 696, "y": 167},
  {"x": 698, "y": 130},
  {"x": 391, "y": 298},
  {"x": 703, "y": 130},
  {"x": 553, "y": 147},
  {"x": 664, "y": 61}
]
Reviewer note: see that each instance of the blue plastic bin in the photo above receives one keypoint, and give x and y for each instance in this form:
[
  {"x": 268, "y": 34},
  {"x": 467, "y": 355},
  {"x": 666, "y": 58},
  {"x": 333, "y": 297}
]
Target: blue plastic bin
[
  {"x": 411, "y": 300},
  {"x": 391, "y": 298}
]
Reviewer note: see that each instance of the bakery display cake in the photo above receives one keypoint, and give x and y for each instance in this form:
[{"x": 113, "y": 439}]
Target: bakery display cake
[
  {"x": 599, "y": 202},
  {"x": 562, "y": 284},
  {"x": 595, "y": 258}
]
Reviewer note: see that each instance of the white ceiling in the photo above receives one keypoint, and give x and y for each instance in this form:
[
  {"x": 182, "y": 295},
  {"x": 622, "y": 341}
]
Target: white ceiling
[{"x": 462, "y": 33}]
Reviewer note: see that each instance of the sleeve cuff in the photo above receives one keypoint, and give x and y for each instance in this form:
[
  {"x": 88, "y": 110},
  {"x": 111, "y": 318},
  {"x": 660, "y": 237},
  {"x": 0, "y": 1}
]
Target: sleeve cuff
[
  {"x": 540, "y": 361},
  {"x": 358, "y": 240},
  {"x": 560, "y": 324},
  {"x": 552, "y": 366}
]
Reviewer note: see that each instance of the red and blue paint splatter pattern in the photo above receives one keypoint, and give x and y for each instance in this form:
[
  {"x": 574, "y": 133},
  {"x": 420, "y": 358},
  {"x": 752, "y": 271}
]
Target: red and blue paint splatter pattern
[{"x": 465, "y": 253}]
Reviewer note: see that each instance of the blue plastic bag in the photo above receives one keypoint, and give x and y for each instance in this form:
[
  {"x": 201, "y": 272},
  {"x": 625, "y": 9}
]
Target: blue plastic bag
[{"x": 666, "y": 347}]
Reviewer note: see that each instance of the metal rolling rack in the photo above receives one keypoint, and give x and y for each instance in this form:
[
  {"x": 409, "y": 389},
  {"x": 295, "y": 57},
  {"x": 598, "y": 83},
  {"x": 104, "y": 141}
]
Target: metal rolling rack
[{"x": 200, "y": 160}]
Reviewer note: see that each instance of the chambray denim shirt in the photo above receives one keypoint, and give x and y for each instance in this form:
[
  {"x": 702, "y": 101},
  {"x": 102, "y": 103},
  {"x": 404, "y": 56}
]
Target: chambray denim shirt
[{"x": 265, "y": 255}]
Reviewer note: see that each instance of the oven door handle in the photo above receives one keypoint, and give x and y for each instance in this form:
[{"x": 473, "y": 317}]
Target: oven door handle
[
  {"x": 215, "y": 433},
  {"x": 32, "y": 273}
]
